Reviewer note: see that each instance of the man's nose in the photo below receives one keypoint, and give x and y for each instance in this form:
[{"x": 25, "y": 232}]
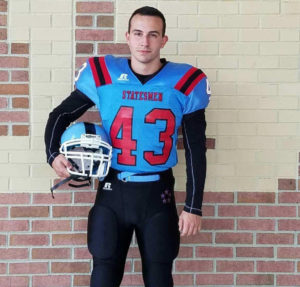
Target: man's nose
[{"x": 145, "y": 40}]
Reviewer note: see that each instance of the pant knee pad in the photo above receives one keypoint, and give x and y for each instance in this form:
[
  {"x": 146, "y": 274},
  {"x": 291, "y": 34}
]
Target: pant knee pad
[
  {"x": 102, "y": 232},
  {"x": 162, "y": 238}
]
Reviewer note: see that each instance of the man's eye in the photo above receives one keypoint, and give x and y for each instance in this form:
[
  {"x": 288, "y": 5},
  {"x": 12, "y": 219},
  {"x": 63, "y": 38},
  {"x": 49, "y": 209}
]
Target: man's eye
[{"x": 137, "y": 34}]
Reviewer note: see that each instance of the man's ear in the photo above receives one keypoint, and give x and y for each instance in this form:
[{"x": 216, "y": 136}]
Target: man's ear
[
  {"x": 127, "y": 36},
  {"x": 165, "y": 40}
]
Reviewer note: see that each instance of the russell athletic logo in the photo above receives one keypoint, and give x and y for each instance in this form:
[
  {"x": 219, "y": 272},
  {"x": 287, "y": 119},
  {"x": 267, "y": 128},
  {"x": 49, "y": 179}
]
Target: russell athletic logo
[
  {"x": 107, "y": 186},
  {"x": 123, "y": 77}
]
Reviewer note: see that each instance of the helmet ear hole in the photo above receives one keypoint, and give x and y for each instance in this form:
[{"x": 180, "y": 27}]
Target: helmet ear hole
[{"x": 89, "y": 153}]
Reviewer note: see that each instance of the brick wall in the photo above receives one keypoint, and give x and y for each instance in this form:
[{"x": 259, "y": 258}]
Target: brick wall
[
  {"x": 250, "y": 52},
  {"x": 14, "y": 81},
  {"x": 248, "y": 238}
]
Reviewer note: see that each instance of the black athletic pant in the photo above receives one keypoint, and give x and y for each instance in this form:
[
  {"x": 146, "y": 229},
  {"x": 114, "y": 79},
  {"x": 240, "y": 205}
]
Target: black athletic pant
[{"x": 149, "y": 209}]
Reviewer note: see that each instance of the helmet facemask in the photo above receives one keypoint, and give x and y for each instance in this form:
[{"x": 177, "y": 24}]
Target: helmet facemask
[{"x": 89, "y": 156}]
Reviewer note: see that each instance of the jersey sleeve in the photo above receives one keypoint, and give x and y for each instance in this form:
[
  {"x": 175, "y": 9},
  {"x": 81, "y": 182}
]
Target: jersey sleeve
[{"x": 196, "y": 88}]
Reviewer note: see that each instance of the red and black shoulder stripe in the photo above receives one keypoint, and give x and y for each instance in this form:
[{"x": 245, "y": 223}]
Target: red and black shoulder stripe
[
  {"x": 189, "y": 80},
  {"x": 100, "y": 71}
]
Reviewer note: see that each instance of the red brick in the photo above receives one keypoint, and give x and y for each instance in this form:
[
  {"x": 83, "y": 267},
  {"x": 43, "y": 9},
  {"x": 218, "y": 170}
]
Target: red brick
[
  {"x": 94, "y": 35},
  {"x": 116, "y": 49},
  {"x": 84, "y": 21},
  {"x": 256, "y": 224},
  {"x": 84, "y": 48},
  {"x": 14, "y": 253},
  {"x": 81, "y": 280},
  {"x": 289, "y": 224},
  {"x": 236, "y": 211},
  {"x": 90, "y": 116},
  {"x": 71, "y": 211},
  {"x": 14, "y": 62},
  {"x": 207, "y": 251},
  {"x": 14, "y": 117},
  {"x": 210, "y": 143},
  {"x": 218, "y": 197},
  {"x": 29, "y": 239},
  {"x": 69, "y": 239},
  {"x": 184, "y": 252},
  {"x": 277, "y": 211},
  {"x": 51, "y": 253},
  {"x": 19, "y": 48},
  {"x": 82, "y": 253},
  {"x": 29, "y": 211},
  {"x": 85, "y": 197},
  {"x": 214, "y": 279},
  {"x": 208, "y": 210},
  {"x": 256, "y": 197},
  {"x": 19, "y": 198},
  {"x": 4, "y": 76},
  {"x": 3, "y": 102},
  {"x": 255, "y": 252},
  {"x": 60, "y": 198},
  {"x": 286, "y": 184},
  {"x": 80, "y": 225},
  {"x": 70, "y": 267},
  {"x": 255, "y": 279},
  {"x": 14, "y": 225},
  {"x": 275, "y": 266},
  {"x": 214, "y": 224},
  {"x": 14, "y": 89},
  {"x": 203, "y": 237},
  {"x": 105, "y": 21},
  {"x": 3, "y": 212},
  {"x": 3, "y": 34},
  {"x": 53, "y": 281},
  {"x": 3, "y": 20},
  {"x": 132, "y": 280},
  {"x": 14, "y": 281},
  {"x": 288, "y": 252},
  {"x": 3, "y": 6},
  {"x": 3, "y": 267},
  {"x": 235, "y": 266},
  {"x": 20, "y": 130},
  {"x": 3, "y": 240},
  {"x": 234, "y": 238},
  {"x": 274, "y": 238},
  {"x": 3, "y": 130},
  {"x": 3, "y": 48},
  {"x": 28, "y": 268},
  {"x": 134, "y": 252},
  {"x": 51, "y": 225},
  {"x": 183, "y": 279},
  {"x": 19, "y": 76},
  {"x": 194, "y": 266},
  {"x": 94, "y": 7},
  {"x": 20, "y": 103},
  {"x": 288, "y": 280}
]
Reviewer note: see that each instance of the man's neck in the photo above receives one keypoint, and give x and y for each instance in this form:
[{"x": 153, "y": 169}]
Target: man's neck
[{"x": 145, "y": 68}]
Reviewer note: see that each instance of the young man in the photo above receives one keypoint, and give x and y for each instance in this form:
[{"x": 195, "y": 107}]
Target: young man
[{"x": 142, "y": 103}]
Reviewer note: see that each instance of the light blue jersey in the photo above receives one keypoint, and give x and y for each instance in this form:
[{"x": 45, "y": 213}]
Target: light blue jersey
[{"x": 142, "y": 120}]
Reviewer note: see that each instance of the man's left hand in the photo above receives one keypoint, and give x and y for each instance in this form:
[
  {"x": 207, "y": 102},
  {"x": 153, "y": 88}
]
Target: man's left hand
[{"x": 189, "y": 224}]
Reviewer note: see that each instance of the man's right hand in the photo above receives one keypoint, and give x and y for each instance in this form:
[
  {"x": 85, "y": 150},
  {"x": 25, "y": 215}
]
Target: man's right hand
[{"x": 60, "y": 165}]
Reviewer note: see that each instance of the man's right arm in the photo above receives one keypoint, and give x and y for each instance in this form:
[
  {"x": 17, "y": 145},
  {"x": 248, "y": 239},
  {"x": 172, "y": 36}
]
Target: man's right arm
[{"x": 60, "y": 118}]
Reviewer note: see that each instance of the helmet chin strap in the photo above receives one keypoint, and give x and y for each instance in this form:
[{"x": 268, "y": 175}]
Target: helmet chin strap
[{"x": 74, "y": 178}]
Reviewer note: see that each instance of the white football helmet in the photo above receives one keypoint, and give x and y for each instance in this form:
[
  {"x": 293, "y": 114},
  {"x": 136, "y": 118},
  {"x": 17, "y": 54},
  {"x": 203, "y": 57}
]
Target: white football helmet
[{"x": 87, "y": 147}]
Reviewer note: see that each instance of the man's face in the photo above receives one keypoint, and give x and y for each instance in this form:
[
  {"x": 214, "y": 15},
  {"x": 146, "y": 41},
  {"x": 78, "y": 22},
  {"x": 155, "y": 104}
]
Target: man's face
[{"x": 145, "y": 38}]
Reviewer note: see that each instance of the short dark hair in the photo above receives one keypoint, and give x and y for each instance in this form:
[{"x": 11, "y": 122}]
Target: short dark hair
[{"x": 148, "y": 11}]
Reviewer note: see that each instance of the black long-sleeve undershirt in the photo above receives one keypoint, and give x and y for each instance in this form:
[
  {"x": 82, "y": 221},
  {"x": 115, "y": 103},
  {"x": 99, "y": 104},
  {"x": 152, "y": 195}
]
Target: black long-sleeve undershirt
[{"x": 60, "y": 118}]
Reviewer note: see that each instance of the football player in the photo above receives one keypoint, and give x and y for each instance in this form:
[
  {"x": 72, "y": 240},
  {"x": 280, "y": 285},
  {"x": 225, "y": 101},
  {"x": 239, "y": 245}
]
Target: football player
[{"x": 142, "y": 102}]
